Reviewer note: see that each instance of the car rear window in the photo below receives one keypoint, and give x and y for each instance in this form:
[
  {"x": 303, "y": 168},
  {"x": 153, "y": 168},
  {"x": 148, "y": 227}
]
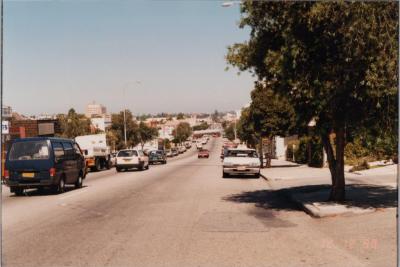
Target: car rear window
[
  {"x": 29, "y": 150},
  {"x": 242, "y": 153},
  {"x": 127, "y": 153}
]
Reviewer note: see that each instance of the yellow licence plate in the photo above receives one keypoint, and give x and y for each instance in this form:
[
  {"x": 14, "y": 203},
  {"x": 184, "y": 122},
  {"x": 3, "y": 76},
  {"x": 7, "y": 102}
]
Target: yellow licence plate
[{"x": 28, "y": 174}]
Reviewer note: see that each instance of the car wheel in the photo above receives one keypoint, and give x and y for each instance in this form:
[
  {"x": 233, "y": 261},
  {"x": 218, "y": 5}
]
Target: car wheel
[
  {"x": 225, "y": 175},
  {"x": 147, "y": 166},
  {"x": 108, "y": 164},
  {"x": 18, "y": 191},
  {"x": 257, "y": 175},
  {"x": 97, "y": 165},
  {"x": 60, "y": 188},
  {"x": 79, "y": 182},
  {"x": 118, "y": 169},
  {"x": 141, "y": 167}
]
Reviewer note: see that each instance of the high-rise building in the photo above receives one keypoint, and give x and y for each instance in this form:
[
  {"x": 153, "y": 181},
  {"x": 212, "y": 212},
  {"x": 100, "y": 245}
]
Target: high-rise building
[{"x": 95, "y": 110}]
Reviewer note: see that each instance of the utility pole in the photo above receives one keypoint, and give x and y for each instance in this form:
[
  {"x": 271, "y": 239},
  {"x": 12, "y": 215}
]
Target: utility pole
[{"x": 123, "y": 95}]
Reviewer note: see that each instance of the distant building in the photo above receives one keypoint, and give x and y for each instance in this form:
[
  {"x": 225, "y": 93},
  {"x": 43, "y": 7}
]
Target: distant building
[
  {"x": 7, "y": 112},
  {"x": 95, "y": 110}
]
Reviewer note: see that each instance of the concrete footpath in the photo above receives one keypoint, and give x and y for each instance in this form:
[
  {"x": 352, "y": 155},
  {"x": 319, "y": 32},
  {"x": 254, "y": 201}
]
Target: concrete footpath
[{"x": 366, "y": 191}]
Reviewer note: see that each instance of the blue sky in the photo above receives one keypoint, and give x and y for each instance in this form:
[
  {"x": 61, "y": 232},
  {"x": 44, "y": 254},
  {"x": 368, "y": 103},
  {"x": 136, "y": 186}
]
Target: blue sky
[{"x": 62, "y": 54}]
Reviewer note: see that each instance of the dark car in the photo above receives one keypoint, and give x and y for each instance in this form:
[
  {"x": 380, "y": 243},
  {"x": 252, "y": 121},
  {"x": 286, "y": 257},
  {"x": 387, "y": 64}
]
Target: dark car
[
  {"x": 157, "y": 156},
  {"x": 41, "y": 162}
]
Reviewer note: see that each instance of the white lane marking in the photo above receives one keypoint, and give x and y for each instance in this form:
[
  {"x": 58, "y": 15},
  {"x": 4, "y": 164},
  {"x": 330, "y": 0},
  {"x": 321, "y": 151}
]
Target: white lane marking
[{"x": 71, "y": 195}]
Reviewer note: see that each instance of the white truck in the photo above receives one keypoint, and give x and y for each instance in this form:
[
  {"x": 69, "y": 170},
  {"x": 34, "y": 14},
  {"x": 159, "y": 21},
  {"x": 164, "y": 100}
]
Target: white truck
[{"x": 97, "y": 153}]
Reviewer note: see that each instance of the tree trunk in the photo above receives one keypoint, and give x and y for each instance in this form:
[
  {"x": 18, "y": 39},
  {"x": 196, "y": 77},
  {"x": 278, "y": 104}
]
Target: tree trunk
[
  {"x": 336, "y": 164},
  {"x": 268, "y": 155},
  {"x": 260, "y": 149}
]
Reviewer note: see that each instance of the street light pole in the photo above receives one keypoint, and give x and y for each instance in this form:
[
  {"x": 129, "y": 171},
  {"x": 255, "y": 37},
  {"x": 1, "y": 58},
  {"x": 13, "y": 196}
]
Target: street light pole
[{"x": 123, "y": 95}]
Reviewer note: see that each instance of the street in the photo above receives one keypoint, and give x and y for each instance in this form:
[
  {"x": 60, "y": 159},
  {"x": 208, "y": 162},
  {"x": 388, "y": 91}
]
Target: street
[{"x": 184, "y": 214}]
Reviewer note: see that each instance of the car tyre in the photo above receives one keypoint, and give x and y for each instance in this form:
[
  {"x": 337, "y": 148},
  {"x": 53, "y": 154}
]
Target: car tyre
[
  {"x": 108, "y": 164},
  {"x": 257, "y": 175},
  {"x": 118, "y": 169},
  {"x": 60, "y": 187},
  {"x": 18, "y": 191},
  {"x": 79, "y": 182},
  {"x": 97, "y": 165},
  {"x": 225, "y": 175}
]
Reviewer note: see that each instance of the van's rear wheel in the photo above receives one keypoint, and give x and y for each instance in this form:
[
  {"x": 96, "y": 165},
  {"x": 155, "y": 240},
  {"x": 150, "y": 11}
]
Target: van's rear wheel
[
  {"x": 17, "y": 191},
  {"x": 60, "y": 187},
  {"x": 79, "y": 182}
]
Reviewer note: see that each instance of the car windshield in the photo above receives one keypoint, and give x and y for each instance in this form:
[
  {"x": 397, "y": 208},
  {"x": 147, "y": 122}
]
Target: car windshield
[
  {"x": 242, "y": 153},
  {"x": 127, "y": 153},
  {"x": 158, "y": 152},
  {"x": 29, "y": 150}
]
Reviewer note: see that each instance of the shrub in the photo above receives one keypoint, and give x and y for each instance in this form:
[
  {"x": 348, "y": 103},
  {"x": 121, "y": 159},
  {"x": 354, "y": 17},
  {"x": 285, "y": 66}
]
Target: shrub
[
  {"x": 300, "y": 153},
  {"x": 317, "y": 152}
]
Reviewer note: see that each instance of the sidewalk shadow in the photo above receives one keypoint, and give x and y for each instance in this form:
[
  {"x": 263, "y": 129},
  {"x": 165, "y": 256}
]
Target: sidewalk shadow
[{"x": 357, "y": 195}]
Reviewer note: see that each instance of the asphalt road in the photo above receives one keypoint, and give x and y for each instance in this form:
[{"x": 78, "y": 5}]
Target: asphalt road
[{"x": 180, "y": 214}]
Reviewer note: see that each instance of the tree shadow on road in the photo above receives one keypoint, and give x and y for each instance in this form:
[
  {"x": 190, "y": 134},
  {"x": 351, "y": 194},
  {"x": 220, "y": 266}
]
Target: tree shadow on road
[
  {"x": 357, "y": 195},
  {"x": 268, "y": 199}
]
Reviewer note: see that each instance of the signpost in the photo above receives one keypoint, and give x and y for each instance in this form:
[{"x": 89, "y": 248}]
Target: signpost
[{"x": 5, "y": 127}]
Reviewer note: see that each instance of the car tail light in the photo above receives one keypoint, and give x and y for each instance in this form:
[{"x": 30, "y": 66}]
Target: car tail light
[
  {"x": 6, "y": 174},
  {"x": 52, "y": 172}
]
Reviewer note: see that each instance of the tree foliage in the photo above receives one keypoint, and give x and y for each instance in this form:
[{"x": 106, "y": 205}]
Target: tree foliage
[
  {"x": 182, "y": 132},
  {"x": 202, "y": 126},
  {"x": 117, "y": 126},
  {"x": 74, "y": 124},
  {"x": 229, "y": 130},
  {"x": 335, "y": 62},
  {"x": 146, "y": 133}
]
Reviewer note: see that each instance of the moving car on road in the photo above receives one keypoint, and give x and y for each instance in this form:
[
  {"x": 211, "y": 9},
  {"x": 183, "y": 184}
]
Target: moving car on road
[
  {"x": 241, "y": 161},
  {"x": 40, "y": 162},
  {"x": 131, "y": 158},
  {"x": 203, "y": 153},
  {"x": 157, "y": 156}
]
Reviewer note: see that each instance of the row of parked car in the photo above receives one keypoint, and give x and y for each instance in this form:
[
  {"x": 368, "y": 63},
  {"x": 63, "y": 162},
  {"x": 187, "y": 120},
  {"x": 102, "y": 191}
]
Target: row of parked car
[
  {"x": 49, "y": 162},
  {"x": 175, "y": 151}
]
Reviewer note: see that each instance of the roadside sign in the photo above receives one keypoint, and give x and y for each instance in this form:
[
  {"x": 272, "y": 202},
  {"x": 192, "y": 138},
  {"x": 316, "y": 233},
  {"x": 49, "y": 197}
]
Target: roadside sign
[{"x": 5, "y": 127}]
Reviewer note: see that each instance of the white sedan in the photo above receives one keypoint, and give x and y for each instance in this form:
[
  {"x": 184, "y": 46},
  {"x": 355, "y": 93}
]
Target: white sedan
[
  {"x": 241, "y": 161},
  {"x": 131, "y": 158}
]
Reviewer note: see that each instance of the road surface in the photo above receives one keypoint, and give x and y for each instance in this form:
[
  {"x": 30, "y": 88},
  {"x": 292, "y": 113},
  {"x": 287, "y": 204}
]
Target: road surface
[{"x": 183, "y": 214}]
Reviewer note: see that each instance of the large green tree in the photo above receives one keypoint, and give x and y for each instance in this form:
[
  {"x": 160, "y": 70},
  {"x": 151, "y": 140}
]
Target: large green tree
[
  {"x": 269, "y": 115},
  {"x": 336, "y": 62},
  {"x": 117, "y": 127},
  {"x": 74, "y": 124},
  {"x": 182, "y": 132},
  {"x": 245, "y": 129},
  {"x": 146, "y": 133},
  {"x": 229, "y": 130}
]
